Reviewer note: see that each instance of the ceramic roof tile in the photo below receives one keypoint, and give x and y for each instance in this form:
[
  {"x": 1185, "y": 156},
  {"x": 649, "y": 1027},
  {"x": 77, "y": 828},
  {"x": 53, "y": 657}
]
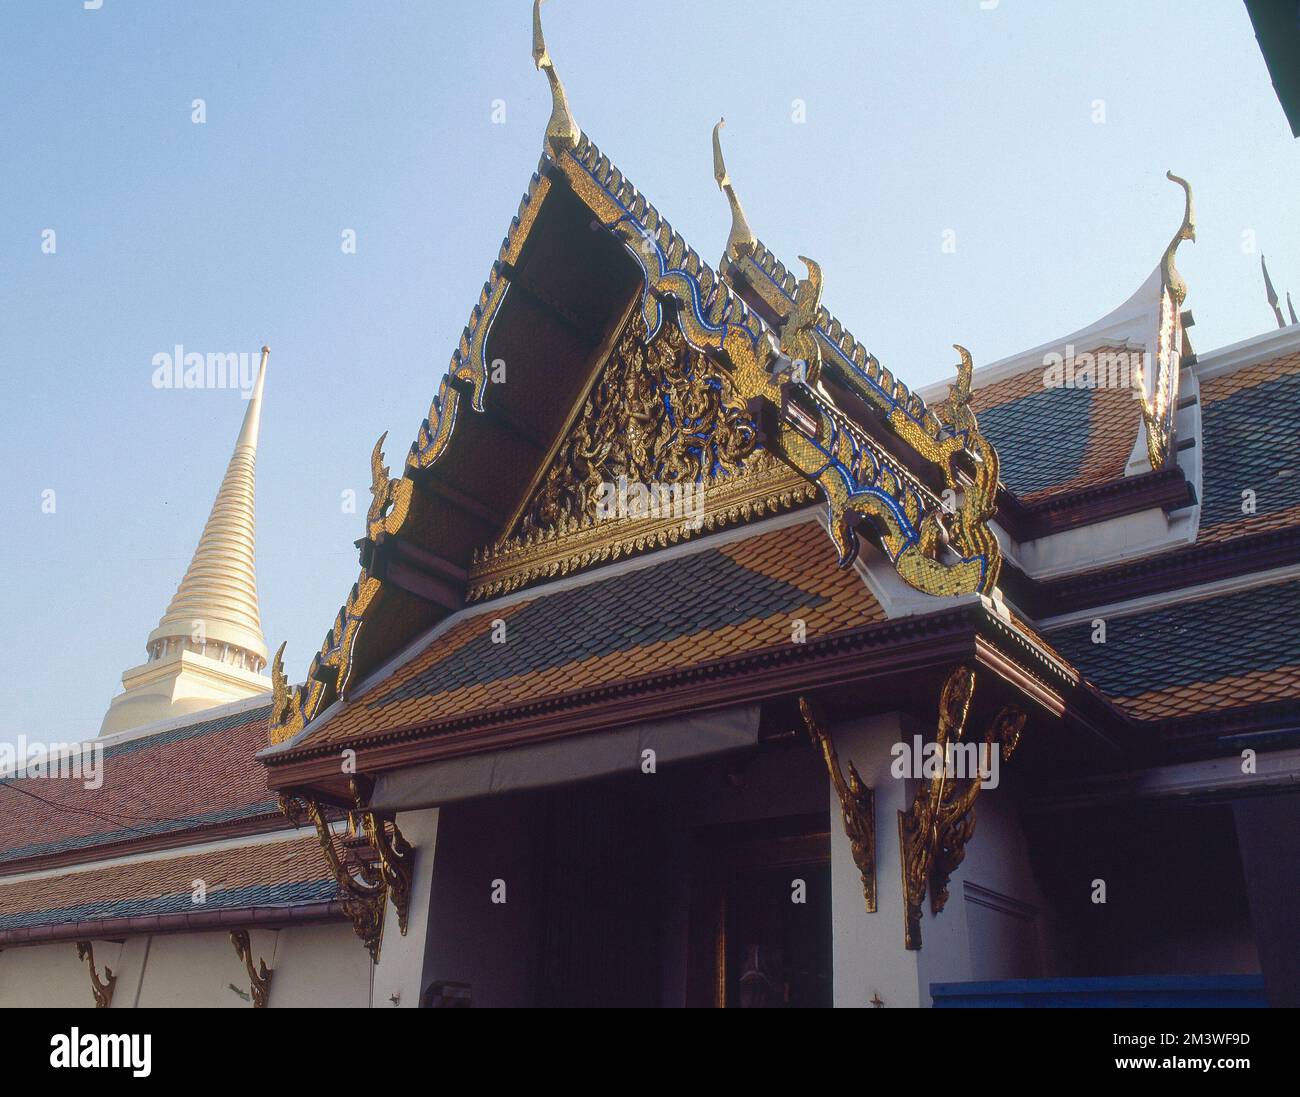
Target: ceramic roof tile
[
  {"x": 185, "y": 779},
  {"x": 690, "y": 609},
  {"x": 271, "y": 873},
  {"x": 1250, "y": 424},
  {"x": 1092, "y": 431},
  {"x": 1235, "y": 649}
]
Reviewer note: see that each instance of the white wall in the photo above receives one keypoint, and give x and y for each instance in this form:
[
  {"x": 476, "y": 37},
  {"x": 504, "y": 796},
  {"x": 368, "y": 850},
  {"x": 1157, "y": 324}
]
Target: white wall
[
  {"x": 50, "y": 975},
  {"x": 992, "y": 929},
  {"x": 315, "y": 965}
]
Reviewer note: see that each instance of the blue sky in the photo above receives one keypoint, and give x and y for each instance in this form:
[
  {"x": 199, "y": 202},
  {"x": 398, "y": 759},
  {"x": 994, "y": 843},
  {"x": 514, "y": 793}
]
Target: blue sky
[{"x": 325, "y": 116}]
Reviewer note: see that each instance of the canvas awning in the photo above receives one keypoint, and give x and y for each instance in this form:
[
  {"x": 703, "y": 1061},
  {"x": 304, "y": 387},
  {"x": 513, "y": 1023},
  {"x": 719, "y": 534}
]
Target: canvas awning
[{"x": 580, "y": 758}]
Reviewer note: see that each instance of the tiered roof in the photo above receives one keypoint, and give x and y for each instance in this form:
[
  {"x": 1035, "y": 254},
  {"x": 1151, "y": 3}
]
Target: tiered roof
[{"x": 181, "y": 803}]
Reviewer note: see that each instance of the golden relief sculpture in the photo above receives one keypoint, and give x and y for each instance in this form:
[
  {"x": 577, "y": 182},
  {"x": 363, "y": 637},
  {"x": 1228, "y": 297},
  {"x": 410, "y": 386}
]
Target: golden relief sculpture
[
  {"x": 933, "y": 832},
  {"x": 827, "y": 448},
  {"x": 102, "y": 989},
  {"x": 857, "y": 802},
  {"x": 259, "y": 978},
  {"x": 659, "y": 414},
  {"x": 363, "y": 888}
]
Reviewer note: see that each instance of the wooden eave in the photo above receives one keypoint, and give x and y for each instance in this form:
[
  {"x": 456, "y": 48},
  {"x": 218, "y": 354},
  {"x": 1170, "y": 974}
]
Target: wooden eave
[{"x": 879, "y": 667}]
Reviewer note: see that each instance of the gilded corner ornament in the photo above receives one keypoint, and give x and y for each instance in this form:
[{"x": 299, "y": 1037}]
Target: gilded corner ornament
[
  {"x": 259, "y": 978},
  {"x": 741, "y": 239},
  {"x": 1172, "y": 280},
  {"x": 365, "y": 881},
  {"x": 361, "y": 891},
  {"x": 1158, "y": 404},
  {"x": 799, "y": 332},
  {"x": 933, "y": 832},
  {"x": 390, "y": 500},
  {"x": 562, "y": 132},
  {"x": 102, "y": 989},
  {"x": 857, "y": 802}
]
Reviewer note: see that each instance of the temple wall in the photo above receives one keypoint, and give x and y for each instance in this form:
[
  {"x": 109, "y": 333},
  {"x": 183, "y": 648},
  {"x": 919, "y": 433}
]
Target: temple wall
[
  {"x": 324, "y": 965},
  {"x": 996, "y": 924},
  {"x": 315, "y": 965},
  {"x": 47, "y": 975}
]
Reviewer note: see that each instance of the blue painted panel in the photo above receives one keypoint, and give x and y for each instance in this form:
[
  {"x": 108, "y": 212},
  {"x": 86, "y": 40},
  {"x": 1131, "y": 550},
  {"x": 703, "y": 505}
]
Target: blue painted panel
[{"x": 1119, "y": 991}]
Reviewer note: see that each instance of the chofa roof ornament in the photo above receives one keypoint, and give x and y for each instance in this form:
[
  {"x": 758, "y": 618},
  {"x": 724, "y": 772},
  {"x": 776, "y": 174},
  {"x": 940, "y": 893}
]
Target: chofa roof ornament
[
  {"x": 1271, "y": 296},
  {"x": 741, "y": 238},
  {"x": 1186, "y": 231},
  {"x": 562, "y": 131}
]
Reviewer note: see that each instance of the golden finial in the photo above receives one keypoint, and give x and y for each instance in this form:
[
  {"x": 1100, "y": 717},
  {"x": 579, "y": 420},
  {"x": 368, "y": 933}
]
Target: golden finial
[
  {"x": 741, "y": 238},
  {"x": 562, "y": 131},
  {"x": 1271, "y": 294},
  {"x": 960, "y": 417},
  {"x": 279, "y": 685},
  {"x": 1186, "y": 231}
]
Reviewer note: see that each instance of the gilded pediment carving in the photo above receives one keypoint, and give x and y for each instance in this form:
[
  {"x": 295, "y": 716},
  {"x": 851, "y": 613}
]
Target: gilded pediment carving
[
  {"x": 662, "y": 448},
  {"x": 661, "y": 414}
]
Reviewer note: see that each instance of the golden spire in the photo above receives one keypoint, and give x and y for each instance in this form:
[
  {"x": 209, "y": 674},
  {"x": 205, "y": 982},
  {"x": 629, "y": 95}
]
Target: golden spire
[
  {"x": 215, "y": 607},
  {"x": 562, "y": 131},
  {"x": 741, "y": 238},
  {"x": 1186, "y": 231},
  {"x": 208, "y": 648},
  {"x": 1271, "y": 293}
]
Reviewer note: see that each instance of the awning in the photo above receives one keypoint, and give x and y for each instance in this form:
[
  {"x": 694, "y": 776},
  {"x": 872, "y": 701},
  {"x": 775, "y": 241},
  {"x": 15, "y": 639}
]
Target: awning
[{"x": 580, "y": 758}]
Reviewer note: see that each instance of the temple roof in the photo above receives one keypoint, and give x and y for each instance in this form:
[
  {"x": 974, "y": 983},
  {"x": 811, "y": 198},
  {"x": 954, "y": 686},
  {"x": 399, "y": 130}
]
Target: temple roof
[
  {"x": 1233, "y": 650},
  {"x": 671, "y": 611},
  {"x": 191, "y": 780},
  {"x": 1250, "y": 422},
  {"x": 281, "y": 874}
]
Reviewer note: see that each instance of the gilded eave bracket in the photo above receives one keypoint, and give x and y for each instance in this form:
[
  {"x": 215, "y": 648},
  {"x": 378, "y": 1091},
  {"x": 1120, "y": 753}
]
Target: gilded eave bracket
[
  {"x": 933, "y": 832},
  {"x": 363, "y": 888},
  {"x": 259, "y": 978},
  {"x": 857, "y": 802},
  {"x": 102, "y": 989}
]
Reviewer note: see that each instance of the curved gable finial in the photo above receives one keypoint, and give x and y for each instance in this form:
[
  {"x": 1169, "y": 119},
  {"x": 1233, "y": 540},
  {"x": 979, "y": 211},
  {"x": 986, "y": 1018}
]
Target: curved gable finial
[
  {"x": 741, "y": 238},
  {"x": 1186, "y": 231},
  {"x": 562, "y": 131}
]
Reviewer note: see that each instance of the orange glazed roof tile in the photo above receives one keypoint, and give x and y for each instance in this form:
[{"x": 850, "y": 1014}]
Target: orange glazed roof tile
[
  {"x": 1093, "y": 431},
  {"x": 1250, "y": 423},
  {"x": 265, "y": 874},
  {"x": 693, "y": 608}
]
